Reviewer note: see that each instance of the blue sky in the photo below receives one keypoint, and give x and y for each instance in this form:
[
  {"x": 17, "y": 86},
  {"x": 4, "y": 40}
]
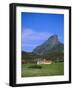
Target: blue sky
[{"x": 38, "y": 27}]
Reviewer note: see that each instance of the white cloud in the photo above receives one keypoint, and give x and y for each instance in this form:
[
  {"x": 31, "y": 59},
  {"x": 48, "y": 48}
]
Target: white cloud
[{"x": 31, "y": 39}]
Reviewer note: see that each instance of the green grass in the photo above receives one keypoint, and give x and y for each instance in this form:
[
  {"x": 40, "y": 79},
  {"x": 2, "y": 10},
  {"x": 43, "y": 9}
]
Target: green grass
[{"x": 45, "y": 70}]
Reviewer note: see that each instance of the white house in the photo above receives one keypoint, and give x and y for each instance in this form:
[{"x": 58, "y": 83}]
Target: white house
[{"x": 43, "y": 61}]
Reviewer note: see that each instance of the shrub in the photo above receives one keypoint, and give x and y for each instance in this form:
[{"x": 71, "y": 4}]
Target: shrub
[{"x": 35, "y": 66}]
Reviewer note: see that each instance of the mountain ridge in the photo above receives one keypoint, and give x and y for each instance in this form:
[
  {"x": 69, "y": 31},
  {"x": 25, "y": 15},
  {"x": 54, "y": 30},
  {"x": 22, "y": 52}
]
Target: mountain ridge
[{"x": 51, "y": 45}]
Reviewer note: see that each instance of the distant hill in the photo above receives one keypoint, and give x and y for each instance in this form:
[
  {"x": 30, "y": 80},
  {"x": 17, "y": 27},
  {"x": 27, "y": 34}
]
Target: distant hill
[
  {"x": 49, "y": 46},
  {"x": 51, "y": 49},
  {"x": 29, "y": 56}
]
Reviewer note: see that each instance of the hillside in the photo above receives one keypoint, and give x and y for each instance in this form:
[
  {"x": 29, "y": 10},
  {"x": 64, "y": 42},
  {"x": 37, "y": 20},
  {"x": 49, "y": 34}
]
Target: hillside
[
  {"x": 29, "y": 56},
  {"x": 50, "y": 46},
  {"x": 51, "y": 49}
]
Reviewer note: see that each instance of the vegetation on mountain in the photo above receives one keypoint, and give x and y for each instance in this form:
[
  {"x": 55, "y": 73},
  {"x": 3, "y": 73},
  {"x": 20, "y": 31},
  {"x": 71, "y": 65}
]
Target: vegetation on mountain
[{"x": 52, "y": 49}]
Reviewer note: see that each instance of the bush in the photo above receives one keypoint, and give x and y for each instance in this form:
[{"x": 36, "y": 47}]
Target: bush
[{"x": 35, "y": 66}]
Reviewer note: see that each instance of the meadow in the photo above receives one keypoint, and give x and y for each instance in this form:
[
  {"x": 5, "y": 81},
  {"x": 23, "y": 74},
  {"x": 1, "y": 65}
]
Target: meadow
[{"x": 33, "y": 70}]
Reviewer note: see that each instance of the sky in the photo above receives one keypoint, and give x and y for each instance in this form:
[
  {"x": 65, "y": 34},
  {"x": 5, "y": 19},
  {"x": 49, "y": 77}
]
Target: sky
[{"x": 36, "y": 28}]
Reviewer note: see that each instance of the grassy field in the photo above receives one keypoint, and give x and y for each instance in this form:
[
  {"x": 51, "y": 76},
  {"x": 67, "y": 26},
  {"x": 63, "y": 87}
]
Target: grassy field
[{"x": 45, "y": 70}]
